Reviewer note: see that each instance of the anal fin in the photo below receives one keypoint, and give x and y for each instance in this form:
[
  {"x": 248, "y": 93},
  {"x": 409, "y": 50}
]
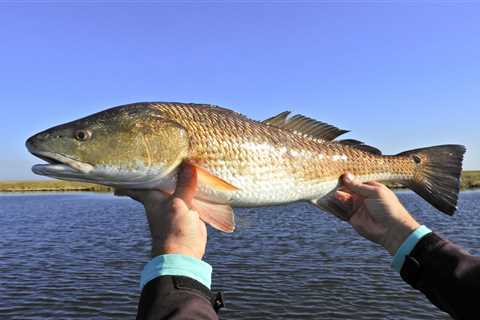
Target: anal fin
[{"x": 330, "y": 204}]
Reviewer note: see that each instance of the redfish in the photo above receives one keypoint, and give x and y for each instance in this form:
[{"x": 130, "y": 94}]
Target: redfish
[{"x": 239, "y": 162}]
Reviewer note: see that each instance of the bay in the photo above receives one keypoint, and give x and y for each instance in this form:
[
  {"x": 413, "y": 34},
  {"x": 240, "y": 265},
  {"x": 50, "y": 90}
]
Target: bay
[{"x": 79, "y": 256}]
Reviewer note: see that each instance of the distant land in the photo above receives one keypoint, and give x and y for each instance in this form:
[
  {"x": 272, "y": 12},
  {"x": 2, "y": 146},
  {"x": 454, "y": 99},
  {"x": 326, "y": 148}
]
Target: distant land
[
  {"x": 49, "y": 186},
  {"x": 470, "y": 180}
]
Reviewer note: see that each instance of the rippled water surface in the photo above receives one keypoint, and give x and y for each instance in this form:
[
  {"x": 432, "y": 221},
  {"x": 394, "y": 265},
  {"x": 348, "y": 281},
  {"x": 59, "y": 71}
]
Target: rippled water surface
[{"x": 79, "y": 256}]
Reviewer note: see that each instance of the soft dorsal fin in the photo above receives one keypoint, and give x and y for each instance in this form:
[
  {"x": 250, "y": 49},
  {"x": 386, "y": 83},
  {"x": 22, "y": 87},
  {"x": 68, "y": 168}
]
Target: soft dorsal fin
[
  {"x": 305, "y": 126},
  {"x": 360, "y": 145}
]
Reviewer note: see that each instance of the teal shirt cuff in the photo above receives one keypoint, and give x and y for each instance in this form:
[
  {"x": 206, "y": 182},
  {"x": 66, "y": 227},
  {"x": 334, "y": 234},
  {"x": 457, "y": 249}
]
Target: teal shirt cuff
[
  {"x": 407, "y": 247},
  {"x": 177, "y": 265}
]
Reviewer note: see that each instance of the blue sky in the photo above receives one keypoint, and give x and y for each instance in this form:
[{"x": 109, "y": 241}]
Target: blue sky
[{"x": 400, "y": 76}]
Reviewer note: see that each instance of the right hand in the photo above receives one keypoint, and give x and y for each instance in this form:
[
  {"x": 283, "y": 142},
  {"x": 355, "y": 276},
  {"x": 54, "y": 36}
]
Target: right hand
[
  {"x": 174, "y": 227},
  {"x": 376, "y": 213}
]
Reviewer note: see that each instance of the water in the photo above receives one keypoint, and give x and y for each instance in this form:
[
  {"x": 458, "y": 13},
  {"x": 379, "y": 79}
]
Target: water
[{"x": 79, "y": 256}]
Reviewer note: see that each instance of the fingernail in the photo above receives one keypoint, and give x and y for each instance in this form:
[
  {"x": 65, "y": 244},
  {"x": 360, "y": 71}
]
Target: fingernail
[{"x": 348, "y": 177}]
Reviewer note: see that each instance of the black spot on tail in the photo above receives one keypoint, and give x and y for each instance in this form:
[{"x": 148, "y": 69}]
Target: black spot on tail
[{"x": 437, "y": 177}]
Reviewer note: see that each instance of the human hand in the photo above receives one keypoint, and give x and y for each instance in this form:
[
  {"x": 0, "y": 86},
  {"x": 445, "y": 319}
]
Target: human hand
[
  {"x": 174, "y": 228},
  {"x": 375, "y": 212}
]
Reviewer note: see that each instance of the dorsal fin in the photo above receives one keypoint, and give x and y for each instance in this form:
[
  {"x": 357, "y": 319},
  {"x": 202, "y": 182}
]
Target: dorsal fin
[
  {"x": 277, "y": 120},
  {"x": 360, "y": 145},
  {"x": 305, "y": 126}
]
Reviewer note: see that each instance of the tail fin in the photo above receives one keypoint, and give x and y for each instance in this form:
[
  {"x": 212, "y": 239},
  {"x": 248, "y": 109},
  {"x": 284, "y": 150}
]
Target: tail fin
[{"x": 437, "y": 175}]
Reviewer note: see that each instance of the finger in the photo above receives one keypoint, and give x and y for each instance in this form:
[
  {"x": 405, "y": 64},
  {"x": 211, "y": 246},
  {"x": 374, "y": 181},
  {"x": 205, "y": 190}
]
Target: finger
[
  {"x": 340, "y": 209},
  {"x": 375, "y": 184},
  {"x": 352, "y": 200},
  {"x": 186, "y": 184},
  {"x": 344, "y": 189},
  {"x": 363, "y": 189},
  {"x": 346, "y": 201},
  {"x": 343, "y": 196}
]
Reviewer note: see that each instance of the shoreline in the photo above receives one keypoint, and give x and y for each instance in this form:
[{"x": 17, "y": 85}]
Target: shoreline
[
  {"x": 18, "y": 186},
  {"x": 469, "y": 180}
]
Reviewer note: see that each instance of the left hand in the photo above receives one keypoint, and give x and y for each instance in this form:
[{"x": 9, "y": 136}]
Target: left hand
[{"x": 375, "y": 212}]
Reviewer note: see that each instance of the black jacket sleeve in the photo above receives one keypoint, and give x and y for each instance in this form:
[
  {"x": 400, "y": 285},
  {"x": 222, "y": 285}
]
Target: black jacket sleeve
[
  {"x": 446, "y": 274},
  {"x": 177, "y": 298}
]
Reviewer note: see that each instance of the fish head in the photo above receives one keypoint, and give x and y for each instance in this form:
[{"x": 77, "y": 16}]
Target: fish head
[{"x": 129, "y": 145}]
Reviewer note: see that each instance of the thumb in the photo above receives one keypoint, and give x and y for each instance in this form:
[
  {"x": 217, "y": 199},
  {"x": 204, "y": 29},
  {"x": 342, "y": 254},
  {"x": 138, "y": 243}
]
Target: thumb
[
  {"x": 354, "y": 185},
  {"x": 186, "y": 184}
]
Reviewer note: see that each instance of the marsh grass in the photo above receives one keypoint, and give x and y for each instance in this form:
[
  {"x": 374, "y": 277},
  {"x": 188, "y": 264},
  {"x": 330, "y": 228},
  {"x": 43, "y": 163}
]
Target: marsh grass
[
  {"x": 468, "y": 180},
  {"x": 50, "y": 185},
  {"x": 471, "y": 179}
]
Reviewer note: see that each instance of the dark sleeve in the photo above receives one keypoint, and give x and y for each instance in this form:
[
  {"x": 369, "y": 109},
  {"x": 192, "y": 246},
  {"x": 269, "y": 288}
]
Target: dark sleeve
[
  {"x": 446, "y": 274},
  {"x": 177, "y": 298}
]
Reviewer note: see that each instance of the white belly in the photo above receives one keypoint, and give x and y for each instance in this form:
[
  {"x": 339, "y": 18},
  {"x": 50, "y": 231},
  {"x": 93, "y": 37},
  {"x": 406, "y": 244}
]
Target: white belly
[{"x": 252, "y": 194}]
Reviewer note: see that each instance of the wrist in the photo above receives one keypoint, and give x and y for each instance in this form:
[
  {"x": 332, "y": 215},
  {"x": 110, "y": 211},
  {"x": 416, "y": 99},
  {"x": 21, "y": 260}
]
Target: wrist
[
  {"x": 177, "y": 265},
  {"x": 160, "y": 248},
  {"x": 408, "y": 246},
  {"x": 397, "y": 235}
]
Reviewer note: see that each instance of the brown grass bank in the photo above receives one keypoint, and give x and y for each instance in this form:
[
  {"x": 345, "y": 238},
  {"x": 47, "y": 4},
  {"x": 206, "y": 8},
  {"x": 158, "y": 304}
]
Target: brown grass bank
[
  {"x": 470, "y": 180},
  {"x": 49, "y": 186}
]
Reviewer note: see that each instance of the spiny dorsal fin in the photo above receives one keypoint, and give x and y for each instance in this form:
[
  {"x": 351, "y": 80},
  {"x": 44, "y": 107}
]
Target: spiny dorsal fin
[
  {"x": 305, "y": 126},
  {"x": 360, "y": 145},
  {"x": 277, "y": 120}
]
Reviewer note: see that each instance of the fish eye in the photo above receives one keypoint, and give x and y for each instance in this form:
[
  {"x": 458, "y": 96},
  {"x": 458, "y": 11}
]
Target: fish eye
[
  {"x": 82, "y": 134},
  {"x": 416, "y": 159}
]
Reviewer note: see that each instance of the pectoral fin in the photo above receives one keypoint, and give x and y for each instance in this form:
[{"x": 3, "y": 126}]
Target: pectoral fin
[
  {"x": 219, "y": 216},
  {"x": 205, "y": 177}
]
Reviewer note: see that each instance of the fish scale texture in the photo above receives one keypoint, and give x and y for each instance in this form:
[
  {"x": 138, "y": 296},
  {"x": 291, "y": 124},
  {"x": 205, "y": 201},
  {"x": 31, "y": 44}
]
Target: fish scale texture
[{"x": 271, "y": 165}]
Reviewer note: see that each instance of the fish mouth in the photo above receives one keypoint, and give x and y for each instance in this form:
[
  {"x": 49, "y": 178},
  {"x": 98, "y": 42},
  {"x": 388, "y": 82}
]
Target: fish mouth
[{"x": 59, "y": 165}]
